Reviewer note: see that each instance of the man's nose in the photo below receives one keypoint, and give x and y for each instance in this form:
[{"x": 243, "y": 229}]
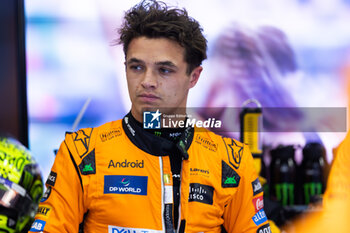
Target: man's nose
[{"x": 149, "y": 80}]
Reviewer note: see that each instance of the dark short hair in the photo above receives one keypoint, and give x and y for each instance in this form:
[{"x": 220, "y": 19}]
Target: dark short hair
[{"x": 154, "y": 19}]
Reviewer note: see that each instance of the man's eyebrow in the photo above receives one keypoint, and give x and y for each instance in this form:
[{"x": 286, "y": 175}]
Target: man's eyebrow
[
  {"x": 166, "y": 63},
  {"x": 134, "y": 60},
  {"x": 160, "y": 63}
]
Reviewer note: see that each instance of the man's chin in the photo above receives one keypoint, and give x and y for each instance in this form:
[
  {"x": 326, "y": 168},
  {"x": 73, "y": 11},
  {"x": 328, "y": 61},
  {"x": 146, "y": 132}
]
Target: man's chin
[
  {"x": 161, "y": 109},
  {"x": 150, "y": 108}
]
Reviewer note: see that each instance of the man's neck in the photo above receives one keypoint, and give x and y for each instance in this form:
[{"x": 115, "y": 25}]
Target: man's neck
[{"x": 137, "y": 117}]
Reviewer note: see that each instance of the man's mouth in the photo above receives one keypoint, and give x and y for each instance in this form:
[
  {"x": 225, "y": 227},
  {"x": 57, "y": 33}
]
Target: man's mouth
[{"x": 148, "y": 97}]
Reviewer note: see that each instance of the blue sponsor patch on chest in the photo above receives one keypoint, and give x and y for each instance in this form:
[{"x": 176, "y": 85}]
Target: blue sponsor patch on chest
[
  {"x": 119, "y": 184},
  {"x": 259, "y": 217},
  {"x": 38, "y": 225}
]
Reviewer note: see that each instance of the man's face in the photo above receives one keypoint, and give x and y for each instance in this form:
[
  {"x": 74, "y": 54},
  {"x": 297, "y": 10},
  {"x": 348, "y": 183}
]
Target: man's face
[{"x": 156, "y": 75}]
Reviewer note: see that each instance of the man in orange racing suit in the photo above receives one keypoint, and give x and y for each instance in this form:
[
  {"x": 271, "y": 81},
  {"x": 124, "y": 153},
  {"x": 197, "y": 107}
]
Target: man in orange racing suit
[{"x": 120, "y": 177}]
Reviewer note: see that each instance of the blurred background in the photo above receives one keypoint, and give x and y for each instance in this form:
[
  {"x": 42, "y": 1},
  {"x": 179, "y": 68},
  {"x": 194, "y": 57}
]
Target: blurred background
[{"x": 291, "y": 53}]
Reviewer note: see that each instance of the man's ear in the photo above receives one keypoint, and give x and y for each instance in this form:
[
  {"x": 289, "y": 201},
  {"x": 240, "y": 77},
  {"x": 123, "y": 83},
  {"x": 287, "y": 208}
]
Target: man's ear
[{"x": 194, "y": 76}]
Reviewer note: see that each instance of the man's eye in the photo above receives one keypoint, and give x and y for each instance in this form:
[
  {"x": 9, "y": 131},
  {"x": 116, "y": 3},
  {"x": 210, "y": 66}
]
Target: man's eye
[
  {"x": 165, "y": 70},
  {"x": 135, "y": 67}
]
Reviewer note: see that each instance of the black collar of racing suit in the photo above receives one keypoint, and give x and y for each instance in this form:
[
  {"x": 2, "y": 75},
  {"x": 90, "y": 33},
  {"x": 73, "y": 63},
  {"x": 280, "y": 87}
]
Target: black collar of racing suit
[{"x": 153, "y": 144}]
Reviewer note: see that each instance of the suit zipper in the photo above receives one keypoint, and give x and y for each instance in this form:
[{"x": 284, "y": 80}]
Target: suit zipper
[
  {"x": 179, "y": 217},
  {"x": 162, "y": 195},
  {"x": 167, "y": 201}
]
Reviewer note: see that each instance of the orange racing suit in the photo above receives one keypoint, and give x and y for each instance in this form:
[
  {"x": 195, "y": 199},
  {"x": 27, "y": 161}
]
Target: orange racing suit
[
  {"x": 117, "y": 178},
  {"x": 334, "y": 213}
]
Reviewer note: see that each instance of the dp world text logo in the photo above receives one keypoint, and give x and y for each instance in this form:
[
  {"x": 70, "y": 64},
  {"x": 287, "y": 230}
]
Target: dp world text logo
[{"x": 151, "y": 120}]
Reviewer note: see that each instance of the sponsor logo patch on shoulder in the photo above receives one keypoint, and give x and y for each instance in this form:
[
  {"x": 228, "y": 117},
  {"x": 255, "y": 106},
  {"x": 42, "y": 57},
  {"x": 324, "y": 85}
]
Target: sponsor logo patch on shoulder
[
  {"x": 229, "y": 177},
  {"x": 264, "y": 229},
  {"x": 88, "y": 165},
  {"x": 119, "y": 184},
  {"x": 201, "y": 193},
  {"x": 259, "y": 217},
  {"x": 116, "y": 229},
  {"x": 257, "y": 188},
  {"x": 38, "y": 225}
]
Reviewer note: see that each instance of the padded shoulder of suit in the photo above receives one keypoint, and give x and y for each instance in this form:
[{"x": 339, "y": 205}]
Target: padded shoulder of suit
[
  {"x": 81, "y": 144},
  {"x": 234, "y": 149}
]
